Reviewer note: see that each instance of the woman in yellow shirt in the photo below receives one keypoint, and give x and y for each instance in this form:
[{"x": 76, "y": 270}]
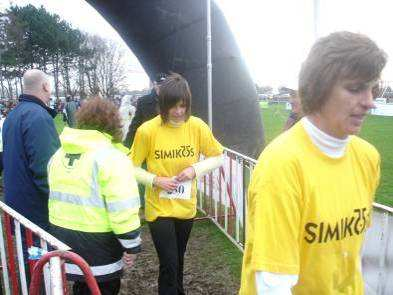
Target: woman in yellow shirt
[
  {"x": 311, "y": 193},
  {"x": 171, "y": 144}
]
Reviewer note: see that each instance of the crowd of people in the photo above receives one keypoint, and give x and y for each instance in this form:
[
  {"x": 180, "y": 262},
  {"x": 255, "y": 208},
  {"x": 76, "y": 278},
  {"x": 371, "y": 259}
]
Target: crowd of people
[
  {"x": 309, "y": 200},
  {"x": 6, "y": 105}
]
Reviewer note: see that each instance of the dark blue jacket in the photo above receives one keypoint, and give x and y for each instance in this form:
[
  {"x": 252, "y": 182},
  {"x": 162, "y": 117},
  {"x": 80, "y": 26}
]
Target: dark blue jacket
[{"x": 30, "y": 139}]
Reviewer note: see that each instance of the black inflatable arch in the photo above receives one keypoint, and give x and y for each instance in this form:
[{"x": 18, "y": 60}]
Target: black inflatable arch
[{"x": 170, "y": 35}]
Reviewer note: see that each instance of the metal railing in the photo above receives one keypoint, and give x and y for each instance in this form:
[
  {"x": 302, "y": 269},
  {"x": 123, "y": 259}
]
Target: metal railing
[
  {"x": 377, "y": 254},
  {"x": 17, "y": 234},
  {"x": 35, "y": 286},
  {"x": 222, "y": 197}
]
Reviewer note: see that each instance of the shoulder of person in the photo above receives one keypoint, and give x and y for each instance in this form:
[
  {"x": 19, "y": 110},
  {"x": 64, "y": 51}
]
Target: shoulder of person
[
  {"x": 197, "y": 122},
  {"x": 31, "y": 112},
  {"x": 150, "y": 124},
  {"x": 39, "y": 113},
  {"x": 284, "y": 150},
  {"x": 278, "y": 164},
  {"x": 109, "y": 155},
  {"x": 364, "y": 149},
  {"x": 141, "y": 100},
  {"x": 146, "y": 99}
]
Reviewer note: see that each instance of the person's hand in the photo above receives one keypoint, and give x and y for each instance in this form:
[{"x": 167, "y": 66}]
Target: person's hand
[
  {"x": 186, "y": 174},
  {"x": 166, "y": 183},
  {"x": 128, "y": 259}
]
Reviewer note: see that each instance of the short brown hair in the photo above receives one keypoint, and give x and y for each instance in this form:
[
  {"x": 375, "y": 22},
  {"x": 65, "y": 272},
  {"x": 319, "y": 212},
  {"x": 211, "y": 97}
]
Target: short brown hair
[
  {"x": 173, "y": 90},
  {"x": 340, "y": 55},
  {"x": 101, "y": 115}
]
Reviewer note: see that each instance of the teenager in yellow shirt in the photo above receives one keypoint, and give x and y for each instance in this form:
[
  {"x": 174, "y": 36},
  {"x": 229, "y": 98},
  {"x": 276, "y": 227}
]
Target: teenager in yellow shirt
[
  {"x": 310, "y": 197},
  {"x": 171, "y": 144}
]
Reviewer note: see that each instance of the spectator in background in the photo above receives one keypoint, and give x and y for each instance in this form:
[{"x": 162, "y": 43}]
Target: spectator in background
[
  {"x": 70, "y": 109},
  {"x": 296, "y": 110},
  {"x": 30, "y": 139},
  {"x": 146, "y": 109},
  {"x": 311, "y": 194},
  {"x": 127, "y": 112}
]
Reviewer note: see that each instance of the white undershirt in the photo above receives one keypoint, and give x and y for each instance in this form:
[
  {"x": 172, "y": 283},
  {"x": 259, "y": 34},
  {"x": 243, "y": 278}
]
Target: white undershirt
[
  {"x": 281, "y": 284},
  {"x": 329, "y": 145}
]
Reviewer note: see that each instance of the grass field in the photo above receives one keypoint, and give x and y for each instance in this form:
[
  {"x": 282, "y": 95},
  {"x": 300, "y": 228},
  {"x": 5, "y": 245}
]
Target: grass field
[{"x": 377, "y": 130}]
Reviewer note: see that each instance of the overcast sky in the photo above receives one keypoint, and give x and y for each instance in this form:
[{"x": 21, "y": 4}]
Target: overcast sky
[{"x": 274, "y": 36}]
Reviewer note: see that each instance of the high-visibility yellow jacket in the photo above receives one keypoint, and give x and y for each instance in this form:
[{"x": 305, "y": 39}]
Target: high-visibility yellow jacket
[{"x": 94, "y": 196}]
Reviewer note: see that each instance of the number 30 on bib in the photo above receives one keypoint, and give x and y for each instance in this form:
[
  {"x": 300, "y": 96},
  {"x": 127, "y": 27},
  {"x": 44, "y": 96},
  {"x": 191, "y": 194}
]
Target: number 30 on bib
[{"x": 182, "y": 192}]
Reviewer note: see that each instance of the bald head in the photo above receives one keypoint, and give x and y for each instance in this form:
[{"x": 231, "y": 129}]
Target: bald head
[{"x": 36, "y": 82}]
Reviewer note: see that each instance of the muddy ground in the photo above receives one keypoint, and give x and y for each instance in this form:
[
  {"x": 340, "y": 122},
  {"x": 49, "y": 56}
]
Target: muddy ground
[{"x": 201, "y": 274}]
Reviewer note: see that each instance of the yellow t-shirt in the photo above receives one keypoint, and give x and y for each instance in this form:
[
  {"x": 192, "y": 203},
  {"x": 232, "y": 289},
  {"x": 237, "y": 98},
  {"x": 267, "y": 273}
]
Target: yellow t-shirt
[
  {"x": 168, "y": 150},
  {"x": 307, "y": 214}
]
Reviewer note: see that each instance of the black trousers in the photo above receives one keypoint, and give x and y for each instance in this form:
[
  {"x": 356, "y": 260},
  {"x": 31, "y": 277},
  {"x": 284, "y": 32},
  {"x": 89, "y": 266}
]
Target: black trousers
[
  {"x": 107, "y": 288},
  {"x": 170, "y": 237}
]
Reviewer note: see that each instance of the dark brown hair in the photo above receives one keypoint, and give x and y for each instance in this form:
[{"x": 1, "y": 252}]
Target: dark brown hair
[
  {"x": 340, "y": 55},
  {"x": 173, "y": 90},
  {"x": 101, "y": 115}
]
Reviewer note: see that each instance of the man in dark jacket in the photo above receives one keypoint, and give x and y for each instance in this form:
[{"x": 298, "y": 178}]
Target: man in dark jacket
[
  {"x": 146, "y": 109},
  {"x": 30, "y": 139}
]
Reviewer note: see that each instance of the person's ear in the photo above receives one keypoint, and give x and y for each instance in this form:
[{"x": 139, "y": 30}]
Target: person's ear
[{"x": 45, "y": 87}]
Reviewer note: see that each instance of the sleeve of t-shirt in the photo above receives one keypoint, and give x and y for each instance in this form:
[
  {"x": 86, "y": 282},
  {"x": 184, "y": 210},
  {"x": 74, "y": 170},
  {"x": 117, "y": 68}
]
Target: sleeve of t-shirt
[
  {"x": 139, "y": 149},
  {"x": 275, "y": 195},
  {"x": 209, "y": 146}
]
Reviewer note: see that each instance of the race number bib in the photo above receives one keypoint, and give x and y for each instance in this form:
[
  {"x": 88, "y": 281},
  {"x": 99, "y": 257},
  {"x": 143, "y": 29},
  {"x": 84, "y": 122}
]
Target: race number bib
[{"x": 182, "y": 192}]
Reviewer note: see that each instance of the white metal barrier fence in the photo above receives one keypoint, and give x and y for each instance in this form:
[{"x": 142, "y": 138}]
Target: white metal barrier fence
[
  {"x": 17, "y": 234},
  {"x": 16, "y": 231},
  {"x": 222, "y": 197},
  {"x": 377, "y": 256}
]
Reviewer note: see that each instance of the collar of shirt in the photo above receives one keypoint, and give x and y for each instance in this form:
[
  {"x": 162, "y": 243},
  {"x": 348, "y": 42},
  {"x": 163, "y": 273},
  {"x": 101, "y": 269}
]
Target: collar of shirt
[
  {"x": 32, "y": 98},
  {"x": 329, "y": 145}
]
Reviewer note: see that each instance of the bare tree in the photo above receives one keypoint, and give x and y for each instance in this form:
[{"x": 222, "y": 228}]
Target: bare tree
[{"x": 105, "y": 70}]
